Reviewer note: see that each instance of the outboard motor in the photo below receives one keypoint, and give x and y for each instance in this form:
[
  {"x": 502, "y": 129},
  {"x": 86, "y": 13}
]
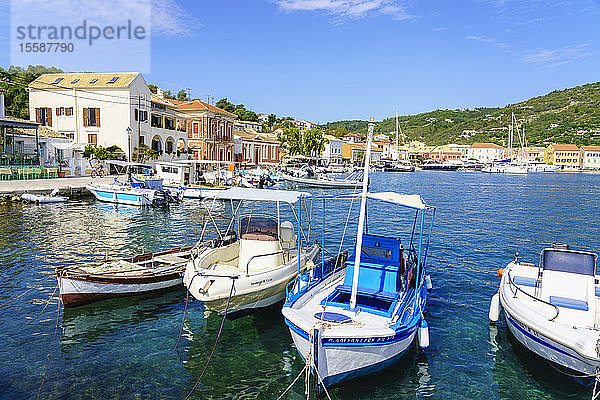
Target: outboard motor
[{"x": 230, "y": 237}]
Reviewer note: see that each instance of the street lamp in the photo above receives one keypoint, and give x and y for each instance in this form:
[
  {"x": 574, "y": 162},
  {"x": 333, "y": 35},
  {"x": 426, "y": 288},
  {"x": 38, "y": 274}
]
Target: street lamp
[{"x": 128, "y": 144}]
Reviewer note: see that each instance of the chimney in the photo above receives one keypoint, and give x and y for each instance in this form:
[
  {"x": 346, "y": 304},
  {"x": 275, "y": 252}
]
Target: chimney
[
  {"x": 2, "y": 113},
  {"x": 160, "y": 93}
]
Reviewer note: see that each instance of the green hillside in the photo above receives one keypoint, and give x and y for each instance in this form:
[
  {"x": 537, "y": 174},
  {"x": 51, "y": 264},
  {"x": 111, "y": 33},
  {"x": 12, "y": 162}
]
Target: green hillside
[{"x": 555, "y": 117}]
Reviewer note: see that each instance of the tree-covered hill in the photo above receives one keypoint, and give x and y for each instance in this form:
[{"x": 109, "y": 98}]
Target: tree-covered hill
[{"x": 562, "y": 116}]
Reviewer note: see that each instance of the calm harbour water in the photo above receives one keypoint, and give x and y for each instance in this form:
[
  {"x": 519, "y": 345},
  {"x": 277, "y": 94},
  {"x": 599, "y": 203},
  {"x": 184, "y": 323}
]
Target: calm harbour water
[{"x": 112, "y": 349}]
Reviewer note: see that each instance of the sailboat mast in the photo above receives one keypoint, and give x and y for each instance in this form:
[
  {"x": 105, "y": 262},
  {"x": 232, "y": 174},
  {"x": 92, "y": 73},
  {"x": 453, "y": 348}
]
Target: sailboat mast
[
  {"x": 361, "y": 217},
  {"x": 396, "y": 130}
]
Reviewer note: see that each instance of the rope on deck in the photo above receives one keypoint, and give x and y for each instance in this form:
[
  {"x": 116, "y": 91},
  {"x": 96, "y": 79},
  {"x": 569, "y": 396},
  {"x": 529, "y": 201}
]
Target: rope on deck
[{"x": 216, "y": 342}]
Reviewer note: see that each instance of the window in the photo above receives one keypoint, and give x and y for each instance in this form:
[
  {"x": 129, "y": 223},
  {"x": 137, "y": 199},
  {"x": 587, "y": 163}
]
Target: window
[
  {"x": 140, "y": 115},
  {"x": 196, "y": 129},
  {"x": 68, "y": 111},
  {"x": 43, "y": 115},
  {"x": 70, "y": 135},
  {"x": 75, "y": 81},
  {"x": 91, "y": 117},
  {"x": 94, "y": 81},
  {"x": 113, "y": 79},
  {"x": 156, "y": 121},
  {"x": 93, "y": 139},
  {"x": 141, "y": 140},
  {"x": 57, "y": 80}
]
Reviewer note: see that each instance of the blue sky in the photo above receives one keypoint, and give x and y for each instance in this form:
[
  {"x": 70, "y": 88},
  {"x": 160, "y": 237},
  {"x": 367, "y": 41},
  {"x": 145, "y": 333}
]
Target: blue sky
[{"x": 325, "y": 60}]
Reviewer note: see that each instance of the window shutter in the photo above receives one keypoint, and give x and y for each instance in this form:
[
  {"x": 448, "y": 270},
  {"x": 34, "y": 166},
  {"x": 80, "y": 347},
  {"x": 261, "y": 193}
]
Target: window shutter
[
  {"x": 97, "y": 117},
  {"x": 135, "y": 115},
  {"x": 85, "y": 117},
  {"x": 49, "y": 116},
  {"x": 57, "y": 110},
  {"x": 37, "y": 115}
]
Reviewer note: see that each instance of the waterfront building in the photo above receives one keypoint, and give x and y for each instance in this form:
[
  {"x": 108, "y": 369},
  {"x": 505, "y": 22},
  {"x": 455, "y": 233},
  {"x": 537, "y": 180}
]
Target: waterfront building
[
  {"x": 590, "y": 157},
  {"x": 533, "y": 153},
  {"x": 355, "y": 152},
  {"x": 210, "y": 130},
  {"x": 256, "y": 148},
  {"x": 333, "y": 150},
  {"x": 441, "y": 154},
  {"x": 241, "y": 125},
  {"x": 168, "y": 128},
  {"x": 485, "y": 152},
  {"x": 353, "y": 138},
  {"x": 101, "y": 109},
  {"x": 564, "y": 156}
]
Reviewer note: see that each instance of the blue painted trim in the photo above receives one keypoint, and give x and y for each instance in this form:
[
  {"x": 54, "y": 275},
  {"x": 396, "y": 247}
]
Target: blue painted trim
[
  {"x": 536, "y": 339},
  {"x": 293, "y": 327},
  {"x": 129, "y": 197},
  {"x": 106, "y": 195}
]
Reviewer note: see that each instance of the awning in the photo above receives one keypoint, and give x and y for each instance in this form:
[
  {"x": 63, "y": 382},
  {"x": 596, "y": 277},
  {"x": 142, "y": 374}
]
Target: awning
[
  {"x": 407, "y": 200},
  {"x": 67, "y": 145},
  {"x": 237, "y": 193},
  {"x": 127, "y": 164}
]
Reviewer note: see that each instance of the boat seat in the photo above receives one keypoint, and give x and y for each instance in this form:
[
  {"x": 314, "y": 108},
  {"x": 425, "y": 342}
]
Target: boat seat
[
  {"x": 170, "y": 259},
  {"x": 367, "y": 292},
  {"x": 259, "y": 236},
  {"x": 597, "y": 290},
  {"x": 569, "y": 303},
  {"x": 525, "y": 281}
]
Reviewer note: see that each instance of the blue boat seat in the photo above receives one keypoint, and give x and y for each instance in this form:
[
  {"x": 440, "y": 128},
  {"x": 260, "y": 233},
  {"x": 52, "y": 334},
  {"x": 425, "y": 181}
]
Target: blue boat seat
[
  {"x": 569, "y": 303},
  {"x": 367, "y": 292},
  {"x": 597, "y": 291},
  {"x": 525, "y": 281}
]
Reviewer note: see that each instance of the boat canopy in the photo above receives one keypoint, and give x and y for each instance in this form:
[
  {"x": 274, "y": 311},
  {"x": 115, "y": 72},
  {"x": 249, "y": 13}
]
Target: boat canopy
[
  {"x": 239, "y": 193},
  {"x": 407, "y": 200},
  {"x": 128, "y": 164}
]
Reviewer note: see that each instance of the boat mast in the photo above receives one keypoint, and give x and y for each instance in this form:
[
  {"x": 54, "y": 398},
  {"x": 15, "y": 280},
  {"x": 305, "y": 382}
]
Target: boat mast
[
  {"x": 361, "y": 218},
  {"x": 396, "y": 130}
]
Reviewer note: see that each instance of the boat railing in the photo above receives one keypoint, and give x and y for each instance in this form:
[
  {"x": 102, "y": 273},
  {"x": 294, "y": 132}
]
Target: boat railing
[
  {"x": 518, "y": 289},
  {"x": 263, "y": 255},
  {"x": 315, "y": 275}
]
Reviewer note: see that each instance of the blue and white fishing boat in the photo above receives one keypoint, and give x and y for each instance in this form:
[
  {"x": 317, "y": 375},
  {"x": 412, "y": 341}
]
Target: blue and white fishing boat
[
  {"x": 136, "y": 193},
  {"x": 191, "y": 178},
  {"x": 350, "y": 318},
  {"x": 553, "y": 308}
]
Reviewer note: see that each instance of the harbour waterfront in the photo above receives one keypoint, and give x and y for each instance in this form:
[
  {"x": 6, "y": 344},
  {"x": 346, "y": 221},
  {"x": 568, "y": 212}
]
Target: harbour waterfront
[{"x": 112, "y": 349}]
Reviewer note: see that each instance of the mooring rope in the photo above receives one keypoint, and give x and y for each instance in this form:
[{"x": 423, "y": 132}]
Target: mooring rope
[
  {"x": 293, "y": 382},
  {"x": 216, "y": 342},
  {"x": 46, "y": 305},
  {"x": 24, "y": 293},
  {"x": 51, "y": 348},
  {"x": 187, "y": 300}
]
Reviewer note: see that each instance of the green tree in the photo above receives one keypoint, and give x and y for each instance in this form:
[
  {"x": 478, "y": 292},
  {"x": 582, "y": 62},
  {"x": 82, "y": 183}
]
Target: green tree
[
  {"x": 153, "y": 88},
  {"x": 101, "y": 153},
  {"x": 291, "y": 140},
  {"x": 313, "y": 142},
  {"x": 224, "y": 104},
  {"x": 182, "y": 95}
]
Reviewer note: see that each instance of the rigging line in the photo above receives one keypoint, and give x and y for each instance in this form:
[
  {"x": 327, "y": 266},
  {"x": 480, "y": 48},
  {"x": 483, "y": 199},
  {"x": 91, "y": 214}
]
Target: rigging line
[
  {"x": 47, "y": 302},
  {"x": 187, "y": 300},
  {"x": 216, "y": 341},
  {"x": 24, "y": 293},
  {"x": 51, "y": 348}
]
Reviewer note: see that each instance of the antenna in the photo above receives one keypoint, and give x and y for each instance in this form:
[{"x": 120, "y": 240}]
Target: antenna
[{"x": 189, "y": 93}]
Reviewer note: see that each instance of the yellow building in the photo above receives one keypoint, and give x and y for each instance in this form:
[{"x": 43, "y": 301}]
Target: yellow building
[{"x": 565, "y": 156}]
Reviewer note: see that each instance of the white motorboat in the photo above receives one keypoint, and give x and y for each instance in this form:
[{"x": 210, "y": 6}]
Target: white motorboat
[
  {"x": 505, "y": 168},
  {"x": 351, "y": 318},
  {"x": 144, "y": 273},
  {"x": 191, "y": 178},
  {"x": 53, "y": 197},
  {"x": 351, "y": 181},
  {"x": 123, "y": 193},
  {"x": 254, "y": 261},
  {"x": 553, "y": 308}
]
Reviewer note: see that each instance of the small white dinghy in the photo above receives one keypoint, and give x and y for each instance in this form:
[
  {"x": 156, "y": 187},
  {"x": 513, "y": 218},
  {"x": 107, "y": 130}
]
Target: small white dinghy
[
  {"x": 53, "y": 197},
  {"x": 553, "y": 308},
  {"x": 251, "y": 272}
]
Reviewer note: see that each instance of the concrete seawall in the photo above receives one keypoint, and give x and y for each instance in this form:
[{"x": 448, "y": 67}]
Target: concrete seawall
[{"x": 67, "y": 186}]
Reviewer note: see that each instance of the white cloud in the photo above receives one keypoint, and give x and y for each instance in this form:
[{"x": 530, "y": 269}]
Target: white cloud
[
  {"x": 484, "y": 39},
  {"x": 352, "y": 9},
  {"x": 556, "y": 57},
  {"x": 168, "y": 18}
]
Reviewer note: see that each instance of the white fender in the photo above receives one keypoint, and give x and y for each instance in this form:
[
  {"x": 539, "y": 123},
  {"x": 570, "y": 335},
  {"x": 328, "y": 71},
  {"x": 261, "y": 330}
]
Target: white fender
[
  {"x": 423, "y": 334},
  {"x": 428, "y": 283},
  {"x": 494, "y": 313}
]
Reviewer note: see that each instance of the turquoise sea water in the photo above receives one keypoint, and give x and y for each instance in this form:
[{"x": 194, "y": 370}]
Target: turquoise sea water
[{"x": 112, "y": 349}]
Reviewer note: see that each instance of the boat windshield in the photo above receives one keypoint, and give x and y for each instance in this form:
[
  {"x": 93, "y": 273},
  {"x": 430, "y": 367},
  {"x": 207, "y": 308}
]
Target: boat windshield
[
  {"x": 569, "y": 261},
  {"x": 254, "y": 227}
]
